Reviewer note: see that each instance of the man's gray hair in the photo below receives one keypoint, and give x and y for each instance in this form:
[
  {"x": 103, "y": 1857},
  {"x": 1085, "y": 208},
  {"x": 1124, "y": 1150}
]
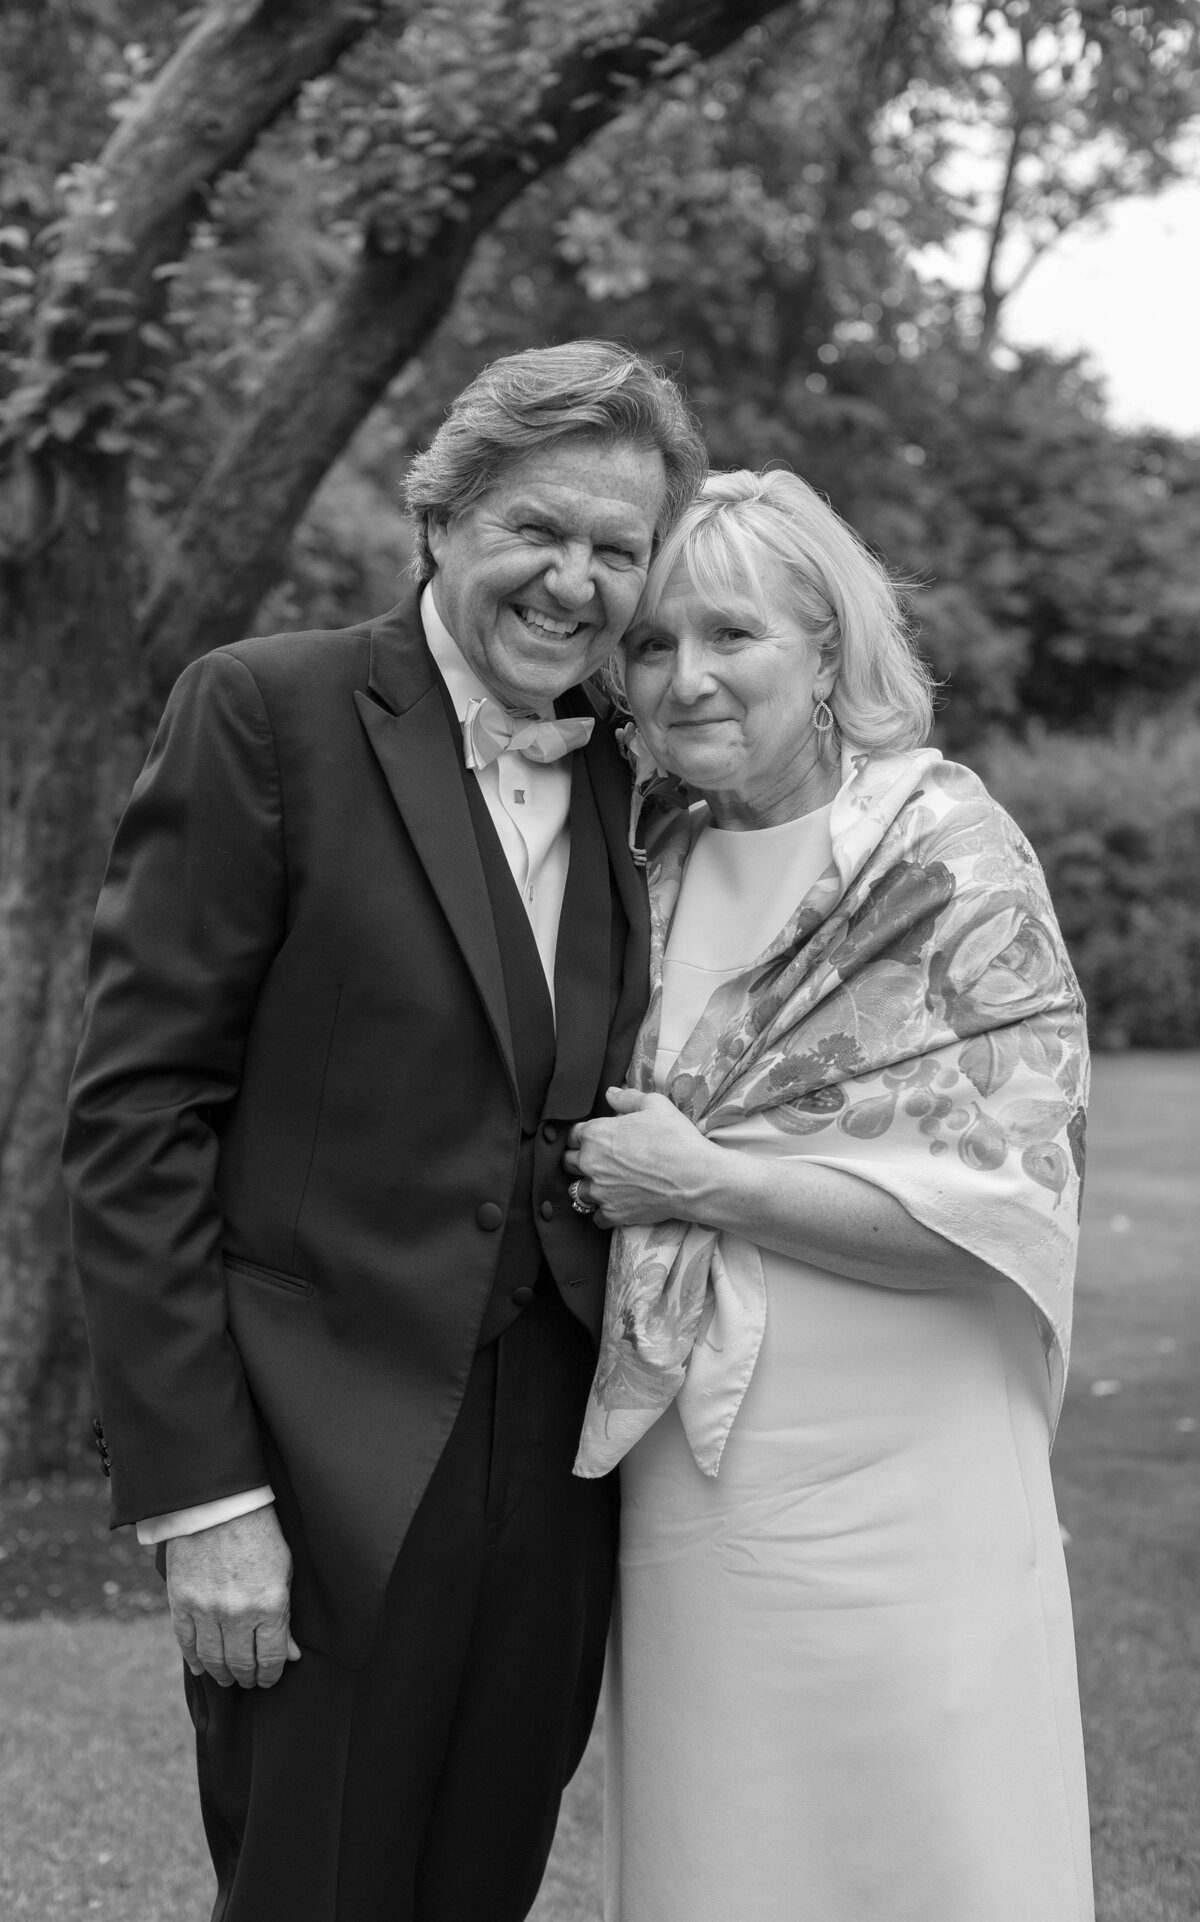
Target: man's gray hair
[{"x": 533, "y": 399}]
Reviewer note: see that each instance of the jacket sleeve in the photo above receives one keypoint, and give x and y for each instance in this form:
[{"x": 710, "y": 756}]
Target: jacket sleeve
[{"x": 191, "y": 912}]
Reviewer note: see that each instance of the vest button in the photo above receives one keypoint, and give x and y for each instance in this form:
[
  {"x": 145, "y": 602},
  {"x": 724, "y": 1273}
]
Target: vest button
[
  {"x": 549, "y": 1131},
  {"x": 489, "y": 1215},
  {"x": 522, "y": 1297},
  {"x": 546, "y": 1210}
]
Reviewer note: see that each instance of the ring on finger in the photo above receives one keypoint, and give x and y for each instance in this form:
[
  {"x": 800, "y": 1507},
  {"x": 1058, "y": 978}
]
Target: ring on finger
[{"x": 580, "y": 1207}]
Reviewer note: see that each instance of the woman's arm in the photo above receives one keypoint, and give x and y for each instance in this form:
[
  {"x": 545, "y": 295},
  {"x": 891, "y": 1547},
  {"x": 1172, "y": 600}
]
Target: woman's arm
[{"x": 650, "y": 1164}]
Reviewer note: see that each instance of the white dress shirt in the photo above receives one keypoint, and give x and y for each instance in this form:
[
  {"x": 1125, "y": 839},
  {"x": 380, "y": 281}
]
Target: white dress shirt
[{"x": 529, "y": 802}]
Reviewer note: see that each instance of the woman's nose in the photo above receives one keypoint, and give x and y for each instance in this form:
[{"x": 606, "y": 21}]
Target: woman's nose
[
  {"x": 692, "y": 677},
  {"x": 569, "y": 575}
]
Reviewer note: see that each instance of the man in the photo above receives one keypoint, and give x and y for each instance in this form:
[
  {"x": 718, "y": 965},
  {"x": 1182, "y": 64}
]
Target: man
[{"x": 369, "y": 943}]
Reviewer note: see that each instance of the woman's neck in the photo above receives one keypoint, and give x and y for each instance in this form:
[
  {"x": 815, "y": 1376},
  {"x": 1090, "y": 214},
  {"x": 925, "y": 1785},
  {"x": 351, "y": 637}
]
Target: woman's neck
[{"x": 741, "y": 813}]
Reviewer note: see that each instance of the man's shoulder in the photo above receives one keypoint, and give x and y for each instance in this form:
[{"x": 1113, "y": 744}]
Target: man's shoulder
[
  {"x": 304, "y": 658},
  {"x": 305, "y": 669}
]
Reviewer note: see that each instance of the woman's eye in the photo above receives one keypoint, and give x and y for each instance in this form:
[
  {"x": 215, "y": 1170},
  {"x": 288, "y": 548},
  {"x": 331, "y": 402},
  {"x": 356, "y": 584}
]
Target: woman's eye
[{"x": 648, "y": 646}]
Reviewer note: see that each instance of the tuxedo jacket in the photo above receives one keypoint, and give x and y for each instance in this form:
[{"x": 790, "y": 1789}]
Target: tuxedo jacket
[{"x": 295, "y": 1122}]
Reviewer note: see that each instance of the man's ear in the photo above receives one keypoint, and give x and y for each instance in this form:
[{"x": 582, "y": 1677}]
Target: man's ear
[{"x": 436, "y": 526}]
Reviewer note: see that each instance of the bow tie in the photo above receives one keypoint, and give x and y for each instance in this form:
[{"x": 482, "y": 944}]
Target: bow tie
[{"x": 489, "y": 730}]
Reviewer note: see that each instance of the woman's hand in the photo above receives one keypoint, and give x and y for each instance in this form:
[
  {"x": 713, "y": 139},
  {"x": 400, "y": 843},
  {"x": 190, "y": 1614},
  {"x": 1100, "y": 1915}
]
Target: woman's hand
[{"x": 647, "y": 1164}]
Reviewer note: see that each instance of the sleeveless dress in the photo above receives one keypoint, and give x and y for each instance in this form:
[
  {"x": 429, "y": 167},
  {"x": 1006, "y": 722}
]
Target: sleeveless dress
[{"x": 841, "y": 1680}]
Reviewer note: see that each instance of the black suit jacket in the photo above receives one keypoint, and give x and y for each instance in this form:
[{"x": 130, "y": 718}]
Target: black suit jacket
[{"x": 294, "y": 1120}]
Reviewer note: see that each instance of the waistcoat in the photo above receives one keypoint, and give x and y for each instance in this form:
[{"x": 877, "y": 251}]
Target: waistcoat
[{"x": 583, "y": 941}]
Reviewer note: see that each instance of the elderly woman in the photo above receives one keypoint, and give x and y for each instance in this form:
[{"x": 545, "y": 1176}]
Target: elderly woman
[{"x": 845, "y": 1179}]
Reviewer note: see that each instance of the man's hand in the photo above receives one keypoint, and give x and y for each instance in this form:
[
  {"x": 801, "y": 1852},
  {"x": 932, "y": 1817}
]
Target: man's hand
[{"x": 229, "y": 1590}]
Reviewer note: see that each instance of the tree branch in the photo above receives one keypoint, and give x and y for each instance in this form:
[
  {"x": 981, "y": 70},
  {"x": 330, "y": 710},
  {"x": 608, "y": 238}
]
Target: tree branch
[
  {"x": 240, "y": 66},
  {"x": 228, "y": 547},
  {"x": 990, "y": 297}
]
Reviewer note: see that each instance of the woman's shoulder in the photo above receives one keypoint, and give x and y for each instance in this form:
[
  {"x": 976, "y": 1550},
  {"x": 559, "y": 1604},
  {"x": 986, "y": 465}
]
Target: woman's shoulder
[{"x": 919, "y": 774}]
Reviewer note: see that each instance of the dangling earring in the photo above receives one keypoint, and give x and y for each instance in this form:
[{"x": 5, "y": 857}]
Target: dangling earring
[{"x": 822, "y": 716}]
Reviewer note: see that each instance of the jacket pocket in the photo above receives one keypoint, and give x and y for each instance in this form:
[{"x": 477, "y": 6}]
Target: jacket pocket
[{"x": 273, "y": 1277}]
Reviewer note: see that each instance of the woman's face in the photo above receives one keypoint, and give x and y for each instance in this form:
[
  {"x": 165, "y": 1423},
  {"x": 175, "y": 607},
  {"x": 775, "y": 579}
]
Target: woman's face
[{"x": 723, "y": 692}]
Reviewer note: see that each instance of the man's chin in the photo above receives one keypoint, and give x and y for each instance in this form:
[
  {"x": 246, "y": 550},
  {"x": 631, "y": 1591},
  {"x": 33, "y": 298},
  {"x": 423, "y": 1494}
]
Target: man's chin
[{"x": 531, "y": 684}]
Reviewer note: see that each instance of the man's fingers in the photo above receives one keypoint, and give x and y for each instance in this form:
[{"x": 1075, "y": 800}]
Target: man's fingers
[
  {"x": 241, "y": 1659},
  {"x": 185, "y": 1635},
  {"x": 273, "y": 1650},
  {"x": 248, "y": 1654},
  {"x": 210, "y": 1652}
]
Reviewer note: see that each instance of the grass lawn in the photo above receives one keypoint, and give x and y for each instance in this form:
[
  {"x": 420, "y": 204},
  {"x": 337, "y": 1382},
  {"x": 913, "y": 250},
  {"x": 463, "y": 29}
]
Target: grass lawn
[
  {"x": 96, "y": 1789},
  {"x": 1127, "y": 1471}
]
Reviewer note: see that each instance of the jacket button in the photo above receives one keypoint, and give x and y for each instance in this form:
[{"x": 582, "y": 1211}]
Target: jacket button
[
  {"x": 546, "y": 1211},
  {"x": 489, "y": 1215},
  {"x": 522, "y": 1297},
  {"x": 549, "y": 1131}
]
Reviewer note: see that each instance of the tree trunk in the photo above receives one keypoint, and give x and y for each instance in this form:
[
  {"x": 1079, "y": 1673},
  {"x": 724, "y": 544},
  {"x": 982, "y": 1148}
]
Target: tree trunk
[
  {"x": 231, "y": 540},
  {"x": 72, "y": 731},
  {"x": 75, "y": 660}
]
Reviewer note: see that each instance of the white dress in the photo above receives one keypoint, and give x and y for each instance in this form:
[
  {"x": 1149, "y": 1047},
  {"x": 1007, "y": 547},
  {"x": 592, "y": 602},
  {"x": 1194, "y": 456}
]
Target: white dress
[{"x": 842, "y": 1677}]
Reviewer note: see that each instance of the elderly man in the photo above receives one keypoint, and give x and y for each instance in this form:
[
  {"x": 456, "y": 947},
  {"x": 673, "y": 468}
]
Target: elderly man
[{"x": 370, "y": 941}]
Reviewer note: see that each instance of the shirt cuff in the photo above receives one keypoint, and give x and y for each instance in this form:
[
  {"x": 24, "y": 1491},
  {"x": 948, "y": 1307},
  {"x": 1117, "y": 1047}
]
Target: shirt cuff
[{"x": 189, "y": 1521}]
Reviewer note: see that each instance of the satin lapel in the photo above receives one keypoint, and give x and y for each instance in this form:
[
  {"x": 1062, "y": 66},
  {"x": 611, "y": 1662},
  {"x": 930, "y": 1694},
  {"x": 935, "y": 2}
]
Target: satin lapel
[
  {"x": 407, "y": 723},
  {"x": 610, "y": 785},
  {"x": 610, "y": 778},
  {"x": 582, "y": 958}
]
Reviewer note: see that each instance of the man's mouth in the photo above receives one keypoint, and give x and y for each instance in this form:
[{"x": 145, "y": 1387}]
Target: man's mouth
[{"x": 546, "y": 623}]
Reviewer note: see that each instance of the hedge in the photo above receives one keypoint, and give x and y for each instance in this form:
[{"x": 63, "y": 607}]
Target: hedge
[{"x": 1115, "y": 821}]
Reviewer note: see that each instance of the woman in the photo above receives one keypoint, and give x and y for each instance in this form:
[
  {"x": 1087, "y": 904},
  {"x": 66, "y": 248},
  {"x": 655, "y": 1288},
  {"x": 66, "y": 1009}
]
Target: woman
[{"x": 845, "y": 1180}]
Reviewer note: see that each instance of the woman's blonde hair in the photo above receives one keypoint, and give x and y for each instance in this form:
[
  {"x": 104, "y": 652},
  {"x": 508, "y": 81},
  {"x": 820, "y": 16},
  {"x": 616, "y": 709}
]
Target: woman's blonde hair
[{"x": 773, "y": 534}]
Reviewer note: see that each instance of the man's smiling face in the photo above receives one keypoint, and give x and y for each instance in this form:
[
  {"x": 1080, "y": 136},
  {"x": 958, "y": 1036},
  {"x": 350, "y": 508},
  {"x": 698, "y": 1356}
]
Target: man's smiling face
[{"x": 537, "y": 580}]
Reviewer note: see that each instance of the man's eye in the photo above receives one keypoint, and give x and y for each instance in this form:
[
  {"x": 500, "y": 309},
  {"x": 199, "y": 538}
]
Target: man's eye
[
  {"x": 537, "y": 531},
  {"x": 619, "y": 557}
]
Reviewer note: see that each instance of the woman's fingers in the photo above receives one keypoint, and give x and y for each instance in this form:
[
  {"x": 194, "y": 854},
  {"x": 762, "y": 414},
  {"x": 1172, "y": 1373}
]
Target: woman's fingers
[{"x": 626, "y": 1100}]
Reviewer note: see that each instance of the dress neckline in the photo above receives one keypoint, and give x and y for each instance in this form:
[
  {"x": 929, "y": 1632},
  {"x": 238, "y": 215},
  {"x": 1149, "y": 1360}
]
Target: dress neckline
[{"x": 780, "y": 828}]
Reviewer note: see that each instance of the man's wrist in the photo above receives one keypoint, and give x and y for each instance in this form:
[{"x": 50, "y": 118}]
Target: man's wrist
[{"x": 190, "y": 1521}]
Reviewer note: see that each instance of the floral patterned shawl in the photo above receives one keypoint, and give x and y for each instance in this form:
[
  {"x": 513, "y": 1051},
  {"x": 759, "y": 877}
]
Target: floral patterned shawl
[{"x": 917, "y": 1022}]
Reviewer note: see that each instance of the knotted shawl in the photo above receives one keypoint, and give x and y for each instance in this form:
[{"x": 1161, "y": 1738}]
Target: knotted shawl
[{"x": 917, "y": 1022}]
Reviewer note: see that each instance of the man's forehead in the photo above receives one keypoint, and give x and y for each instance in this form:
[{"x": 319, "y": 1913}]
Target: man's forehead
[
  {"x": 564, "y": 497},
  {"x": 621, "y": 485}
]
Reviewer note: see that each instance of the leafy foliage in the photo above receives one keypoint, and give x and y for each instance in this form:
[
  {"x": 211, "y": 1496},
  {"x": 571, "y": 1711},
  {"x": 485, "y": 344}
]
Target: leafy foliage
[
  {"x": 1115, "y": 820},
  {"x": 757, "y": 221},
  {"x": 764, "y": 241},
  {"x": 1052, "y": 111}
]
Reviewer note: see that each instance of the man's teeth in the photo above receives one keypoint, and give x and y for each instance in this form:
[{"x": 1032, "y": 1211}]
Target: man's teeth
[{"x": 545, "y": 623}]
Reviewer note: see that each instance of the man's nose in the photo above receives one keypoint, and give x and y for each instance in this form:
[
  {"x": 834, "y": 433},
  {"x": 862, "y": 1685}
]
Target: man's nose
[{"x": 569, "y": 575}]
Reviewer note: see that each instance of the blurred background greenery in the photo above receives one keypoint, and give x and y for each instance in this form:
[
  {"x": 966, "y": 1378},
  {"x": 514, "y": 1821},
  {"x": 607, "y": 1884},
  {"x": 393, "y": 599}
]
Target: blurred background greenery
[{"x": 247, "y": 256}]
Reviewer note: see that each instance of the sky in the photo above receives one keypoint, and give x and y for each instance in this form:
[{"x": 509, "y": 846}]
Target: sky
[{"x": 1128, "y": 293}]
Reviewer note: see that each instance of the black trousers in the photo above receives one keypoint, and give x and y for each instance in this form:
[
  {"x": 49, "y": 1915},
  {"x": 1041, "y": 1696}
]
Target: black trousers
[{"x": 425, "y": 1786}]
